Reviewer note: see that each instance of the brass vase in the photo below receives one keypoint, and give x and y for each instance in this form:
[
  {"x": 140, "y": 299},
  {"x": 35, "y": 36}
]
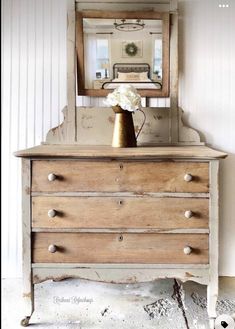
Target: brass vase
[{"x": 124, "y": 132}]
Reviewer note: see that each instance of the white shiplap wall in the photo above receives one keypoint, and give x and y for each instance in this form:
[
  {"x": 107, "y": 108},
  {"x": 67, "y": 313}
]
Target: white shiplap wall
[
  {"x": 34, "y": 93},
  {"x": 207, "y": 89}
]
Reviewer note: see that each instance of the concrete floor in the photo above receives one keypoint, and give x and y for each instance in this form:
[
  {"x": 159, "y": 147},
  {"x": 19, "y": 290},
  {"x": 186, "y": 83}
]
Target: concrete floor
[{"x": 82, "y": 304}]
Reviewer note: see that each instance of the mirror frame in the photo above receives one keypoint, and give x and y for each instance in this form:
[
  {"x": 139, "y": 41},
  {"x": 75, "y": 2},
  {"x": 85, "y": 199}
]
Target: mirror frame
[{"x": 164, "y": 16}]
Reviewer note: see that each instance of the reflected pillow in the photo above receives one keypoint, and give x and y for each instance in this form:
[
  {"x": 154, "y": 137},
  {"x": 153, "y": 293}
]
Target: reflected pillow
[
  {"x": 143, "y": 75},
  {"x": 130, "y": 76},
  {"x": 121, "y": 76},
  {"x": 133, "y": 76}
]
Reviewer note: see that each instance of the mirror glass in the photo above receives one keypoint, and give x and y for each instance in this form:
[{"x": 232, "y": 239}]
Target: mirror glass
[
  {"x": 118, "y": 51},
  {"x": 119, "y": 47}
]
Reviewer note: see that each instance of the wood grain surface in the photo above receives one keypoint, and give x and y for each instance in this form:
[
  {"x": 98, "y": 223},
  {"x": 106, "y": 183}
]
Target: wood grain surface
[
  {"x": 119, "y": 212},
  {"x": 119, "y": 176},
  {"x": 157, "y": 152},
  {"x": 115, "y": 248}
]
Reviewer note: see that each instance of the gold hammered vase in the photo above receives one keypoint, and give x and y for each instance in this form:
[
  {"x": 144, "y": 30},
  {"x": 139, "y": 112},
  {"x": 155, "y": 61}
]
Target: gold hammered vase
[{"x": 124, "y": 132}]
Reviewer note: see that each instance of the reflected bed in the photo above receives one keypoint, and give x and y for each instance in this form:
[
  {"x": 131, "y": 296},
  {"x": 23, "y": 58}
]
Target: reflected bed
[{"x": 136, "y": 74}]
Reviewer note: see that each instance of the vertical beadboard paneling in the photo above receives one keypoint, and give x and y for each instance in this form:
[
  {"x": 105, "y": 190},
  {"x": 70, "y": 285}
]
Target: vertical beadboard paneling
[
  {"x": 31, "y": 57},
  {"x": 47, "y": 64},
  {"x": 6, "y": 118},
  {"x": 39, "y": 54},
  {"x": 34, "y": 93},
  {"x": 207, "y": 84},
  {"x": 15, "y": 233}
]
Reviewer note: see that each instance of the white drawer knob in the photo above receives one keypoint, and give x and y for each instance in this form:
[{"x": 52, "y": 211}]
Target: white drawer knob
[
  {"x": 188, "y": 214},
  {"x": 187, "y": 250},
  {"x": 51, "y": 177},
  {"x": 51, "y": 213},
  {"x": 52, "y": 248},
  {"x": 188, "y": 177}
]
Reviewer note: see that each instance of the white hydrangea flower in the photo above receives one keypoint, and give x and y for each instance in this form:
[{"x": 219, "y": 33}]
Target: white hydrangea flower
[{"x": 126, "y": 97}]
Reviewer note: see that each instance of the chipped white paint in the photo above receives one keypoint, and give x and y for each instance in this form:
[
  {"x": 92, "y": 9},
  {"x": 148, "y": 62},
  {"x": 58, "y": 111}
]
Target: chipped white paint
[
  {"x": 120, "y": 266},
  {"x": 94, "y": 126},
  {"x": 28, "y": 288},
  {"x": 186, "y": 134},
  {"x": 174, "y": 113},
  {"x": 155, "y": 5},
  {"x": 120, "y": 275},
  {"x": 71, "y": 73},
  {"x": 212, "y": 294}
]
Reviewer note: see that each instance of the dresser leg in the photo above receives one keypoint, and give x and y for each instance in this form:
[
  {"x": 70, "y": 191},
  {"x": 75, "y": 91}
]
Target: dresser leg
[
  {"x": 212, "y": 295},
  {"x": 28, "y": 299},
  {"x": 213, "y": 285},
  {"x": 28, "y": 287},
  {"x": 212, "y": 323}
]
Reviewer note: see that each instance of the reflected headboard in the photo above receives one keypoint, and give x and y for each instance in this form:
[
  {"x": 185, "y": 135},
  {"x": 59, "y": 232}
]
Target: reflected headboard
[{"x": 130, "y": 67}]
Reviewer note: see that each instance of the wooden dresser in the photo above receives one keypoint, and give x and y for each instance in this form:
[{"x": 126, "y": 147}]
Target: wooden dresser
[{"x": 120, "y": 215}]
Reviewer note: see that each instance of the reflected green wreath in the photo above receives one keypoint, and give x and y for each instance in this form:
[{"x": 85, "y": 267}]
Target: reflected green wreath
[{"x": 131, "y": 49}]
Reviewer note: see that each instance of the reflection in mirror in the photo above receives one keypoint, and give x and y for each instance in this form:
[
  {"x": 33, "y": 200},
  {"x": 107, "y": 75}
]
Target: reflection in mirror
[
  {"x": 122, "y": 47},
  {"x": 118, "y": 51}
]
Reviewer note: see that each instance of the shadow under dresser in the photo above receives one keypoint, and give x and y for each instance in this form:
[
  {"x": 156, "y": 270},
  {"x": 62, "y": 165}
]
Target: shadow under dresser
[{"x": 120, "y": 215}]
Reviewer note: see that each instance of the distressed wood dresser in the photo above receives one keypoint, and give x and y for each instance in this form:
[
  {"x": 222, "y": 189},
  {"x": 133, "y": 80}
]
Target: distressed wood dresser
[{"x": 120, "y": 215}]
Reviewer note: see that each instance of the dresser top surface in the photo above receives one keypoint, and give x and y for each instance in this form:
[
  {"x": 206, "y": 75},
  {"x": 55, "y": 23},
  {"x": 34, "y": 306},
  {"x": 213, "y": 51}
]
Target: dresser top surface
[{"x": 78, "y": 151}]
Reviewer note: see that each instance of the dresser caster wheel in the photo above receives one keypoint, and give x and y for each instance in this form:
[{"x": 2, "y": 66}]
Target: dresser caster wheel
[{"x": 25, "y": 321}]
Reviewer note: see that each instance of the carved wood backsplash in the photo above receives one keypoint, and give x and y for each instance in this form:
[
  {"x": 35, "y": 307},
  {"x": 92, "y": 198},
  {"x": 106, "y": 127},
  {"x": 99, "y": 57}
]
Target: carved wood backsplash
[{"x": 94, "y": 126}]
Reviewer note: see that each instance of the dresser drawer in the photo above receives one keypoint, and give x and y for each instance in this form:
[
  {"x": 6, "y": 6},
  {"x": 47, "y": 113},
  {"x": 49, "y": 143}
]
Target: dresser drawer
[
  {"x": 119, "y": 212},
  {"x": 116, "y": 176},
  {"x": 116, "y": 248}
]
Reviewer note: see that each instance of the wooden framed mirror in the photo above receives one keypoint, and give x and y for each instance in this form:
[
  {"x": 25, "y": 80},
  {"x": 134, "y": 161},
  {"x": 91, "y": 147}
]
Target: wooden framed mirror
[{"x": 119, "y": 47}]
